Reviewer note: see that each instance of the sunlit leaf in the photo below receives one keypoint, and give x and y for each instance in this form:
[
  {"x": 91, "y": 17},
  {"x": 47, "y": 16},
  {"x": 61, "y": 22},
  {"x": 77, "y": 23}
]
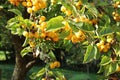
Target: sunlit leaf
[
  {"x": 105, "y": 60},
  {"x": 90, "y": 54},
  {"x": 55, "y": 23},
  {"x": 25, "y": 51},
  {"x": 16, "y": 11}
]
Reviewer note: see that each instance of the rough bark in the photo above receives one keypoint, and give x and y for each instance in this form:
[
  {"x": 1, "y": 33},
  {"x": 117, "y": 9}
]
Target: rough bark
[{"x": 23, "y": 64}]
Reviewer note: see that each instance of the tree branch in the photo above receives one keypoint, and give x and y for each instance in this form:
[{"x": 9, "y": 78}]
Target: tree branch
[{"x": 30, "y": 64}]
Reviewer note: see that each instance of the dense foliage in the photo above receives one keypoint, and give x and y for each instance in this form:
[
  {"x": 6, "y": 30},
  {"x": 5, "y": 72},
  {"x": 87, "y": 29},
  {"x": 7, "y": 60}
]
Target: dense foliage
[{"x": 91, "y": 27}]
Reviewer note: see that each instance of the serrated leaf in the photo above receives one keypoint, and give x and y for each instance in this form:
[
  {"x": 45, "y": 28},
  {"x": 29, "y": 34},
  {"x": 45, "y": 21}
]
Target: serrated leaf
[
  {"x": 25, "y": 51},
  {"x": 16, "y": 11},
  {"x": 55, "y": 23},
  {"x": 105, "y": 60},
  {"x": 90, "y": 54}
]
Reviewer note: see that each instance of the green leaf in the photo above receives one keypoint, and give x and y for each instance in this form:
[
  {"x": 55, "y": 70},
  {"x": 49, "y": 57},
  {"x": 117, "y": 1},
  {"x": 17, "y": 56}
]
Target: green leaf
[
  {"x": 113, "y": 67},
  {"x": 106, "y": 30},
  {"x": 90, "y": 53},
  {"x": 41, "y": 72},
  {"x": 105, "y": 60},
  {"x": 51, "y": 55},
  {"x": 16, "y": 11},
  {"x": 25, "y": 42},
  {"x": 55, "y": 23},
  {"x": 102, "y": 3},
  {"x": 25, "y": 51},
  {"x": 64, "y": 34},
  {"x": 37, "y": 75},
  {"x": 97, "y": 53},
  {"x": 101, "y": 69},
  {"x": 87, "y": 27},
  {"x": 60, "y": 76},
  {"x": 107, "y": 70},
  {"x": 92, "y": 9},
  {"x": 106, "y": 18}
]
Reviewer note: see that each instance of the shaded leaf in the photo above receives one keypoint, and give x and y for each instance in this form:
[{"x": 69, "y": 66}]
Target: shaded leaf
[
  {"x": 106, "y": 30},
  {"x": 52, "y": 56}
]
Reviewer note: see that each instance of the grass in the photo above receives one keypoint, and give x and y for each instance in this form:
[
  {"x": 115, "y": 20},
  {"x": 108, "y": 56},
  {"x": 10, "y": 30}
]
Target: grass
[{"x": 7, "y": 70}]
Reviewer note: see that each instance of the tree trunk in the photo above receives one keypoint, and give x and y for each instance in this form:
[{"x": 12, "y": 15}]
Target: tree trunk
[
  {"x": 20, "y": 69},
  {"x": 23, "y": 64}
]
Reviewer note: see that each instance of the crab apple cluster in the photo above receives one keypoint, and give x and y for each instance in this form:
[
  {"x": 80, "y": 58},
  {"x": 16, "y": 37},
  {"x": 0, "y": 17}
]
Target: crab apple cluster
[
  {"x": 53, "y": 2},
  {"x": 39, "y": 31},
  {"x": 104, "y": 46},
  {"x": 116, "y": 4},
  {"x": 86, "y": 20},
  {"x": 68, "y": 12},
  {"x": 75, "y": 37},
  {"x": 116, "y": 16},
  {"x": 15, "y": 2},
  {"x": 34, "y": 5},
  {"x": 54, "y": 64},
  {"x": 78, "y": 4}
]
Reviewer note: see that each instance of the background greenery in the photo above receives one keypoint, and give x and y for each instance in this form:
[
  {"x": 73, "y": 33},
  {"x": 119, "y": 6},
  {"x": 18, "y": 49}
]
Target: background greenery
[{"x": 7, "y": 70}]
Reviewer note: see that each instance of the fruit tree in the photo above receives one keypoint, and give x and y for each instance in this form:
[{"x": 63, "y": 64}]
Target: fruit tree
[{"x": 92, "y": 25}]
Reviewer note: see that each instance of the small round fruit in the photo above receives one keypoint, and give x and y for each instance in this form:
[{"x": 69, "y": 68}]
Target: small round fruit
[
  {"x": 25, "y": 33},
  {"x": 32, "y": 44},
  {"x": 29, "y": 10},
  {"x": 113, "y": 13},
  {"x": 105, "y": 50},
  {"x": 43, "y": 78},
  {"x": 55, "y": 39},
  {"x": 109, "y": 40},
  {"x": 42, "y": 18},
  {"x": 36, "y": 35},
  {"x": 76, "y": 19},
  {"x": 24, "y": 3},
  {"x": 74, "y": 39},
  {"x": 68, "y": 12},
  {"x": 43, "y": 35},
  {"x": 52, "y": 66},
  {"x": 29, "y": 3},
  {"x": 57, "y": 64},
  {"x": 63, "y": 8},
  {"x": 78, "y": 3},
  {"x": 118, "y": 69},
  {"x": 102, "y": 42}
]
